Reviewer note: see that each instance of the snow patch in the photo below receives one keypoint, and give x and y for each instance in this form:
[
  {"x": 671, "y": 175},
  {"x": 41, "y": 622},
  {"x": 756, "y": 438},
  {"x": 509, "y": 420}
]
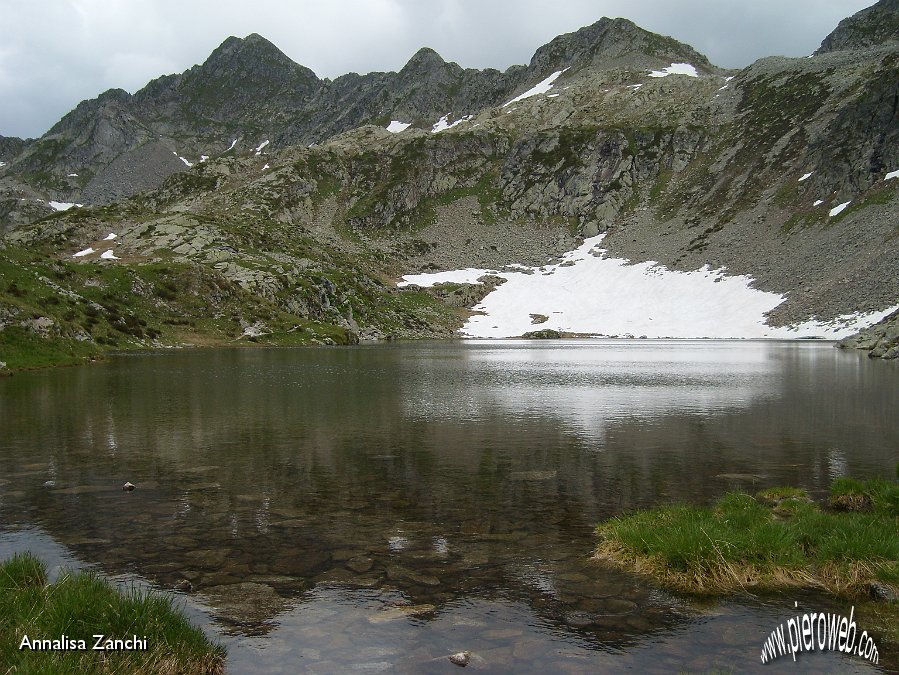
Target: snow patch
[
  {"x": 260, "y": 147},
  {"x": 836, "y": 210},
  {"x": 185, "y": 161},
  {"x": 469, "y": 275},
  {"x": 203, "y": 158},
  {"x": 442, "y": 124},
  {"x": 635, "y": 87},
  {"x": 2, "y": 163},
  {"x": 540, "y": 88},
  {"x": 109, "y": 255},
  {"x": 590, "y": 293},
  {"x": 83, "y": 253},
  {"x": 818, "y": 202},
  {"x": 675, "y": 69},
  {"x": 73, "y": 175},
  {"x": 63, "y": 206},
  {"x": 396, "y": 126},
  {"x": 233, "y": 143},
  {"x": 265, "y": 167},
  {"x": 891, "y": 175},
  {"x": 728, "y": 79},
  {"x": 806, "y": 176},
  {"x": 552, "y": 95},
  {"x": 110, "y": 236}
]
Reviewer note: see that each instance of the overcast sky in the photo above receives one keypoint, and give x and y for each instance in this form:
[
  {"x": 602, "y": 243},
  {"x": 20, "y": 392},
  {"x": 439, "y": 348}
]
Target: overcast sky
[{"x": 55, "y": 53}]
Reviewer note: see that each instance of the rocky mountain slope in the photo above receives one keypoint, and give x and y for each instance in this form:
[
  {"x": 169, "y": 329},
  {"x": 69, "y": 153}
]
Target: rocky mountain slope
[
  {"x": 248, "y": 93},
  {"x": 870, "y": 27},
  {"x": 784, "y": 171}
]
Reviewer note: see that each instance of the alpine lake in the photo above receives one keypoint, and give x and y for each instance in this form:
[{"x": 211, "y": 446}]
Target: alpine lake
[{"x": 381, "y": 507}]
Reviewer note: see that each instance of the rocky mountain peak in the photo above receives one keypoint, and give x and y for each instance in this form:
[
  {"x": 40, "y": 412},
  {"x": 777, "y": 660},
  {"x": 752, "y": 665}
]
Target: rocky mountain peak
[
  {"x": 425, "y": 59},
  {"x": 252, "y": 55},
  {"x": 611, "y": 43},
  {"x": 870, "y": 27}
]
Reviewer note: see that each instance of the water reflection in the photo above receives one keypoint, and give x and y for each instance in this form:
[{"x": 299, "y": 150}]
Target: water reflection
[{"x": 405, "y": 490}]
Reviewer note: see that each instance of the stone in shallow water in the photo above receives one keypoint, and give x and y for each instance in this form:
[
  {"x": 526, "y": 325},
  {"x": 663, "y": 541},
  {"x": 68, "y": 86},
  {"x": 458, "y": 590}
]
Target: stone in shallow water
[
  {"x": 460, "y": 658},
  {"x": 246, "y": 602},
  {"x": 216, "y": 578},
  {"x": 400, "y": 573},
  {"x": 503, "y": 633},
  {"x": 529, "y": 649},
  {"x": 360, "y": 564},
  {"x": 301, "y": 562},
  {"x": 617, "y": 607},
  {"x": 396, "y": 613},
  {"x": 336, "y": 576},
  {"x": 212, "y": 558},
  {"x": 344, "y": 554},
  {"x": 579, "y": 619}
]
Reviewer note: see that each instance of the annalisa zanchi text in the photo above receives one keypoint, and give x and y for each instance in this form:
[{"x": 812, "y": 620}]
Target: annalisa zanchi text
[
  {"x": 817, "y": 630},
  {"x": 97, "y": 643}
]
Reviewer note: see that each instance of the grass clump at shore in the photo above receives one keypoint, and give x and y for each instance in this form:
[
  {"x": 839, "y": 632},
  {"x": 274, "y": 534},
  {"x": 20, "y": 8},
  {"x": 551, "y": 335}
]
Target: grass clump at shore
[
  {"x": 777, "y": 539},
  {"x": 81, "y": 606}
]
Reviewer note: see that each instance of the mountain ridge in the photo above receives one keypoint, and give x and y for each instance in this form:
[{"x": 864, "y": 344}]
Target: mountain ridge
[{"x": 248, "y": 87}]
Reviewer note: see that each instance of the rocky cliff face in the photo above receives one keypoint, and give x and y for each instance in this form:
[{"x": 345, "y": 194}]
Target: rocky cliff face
[
  {"x": 870, "y": 27},
  {"x": 783, "y": 171}
]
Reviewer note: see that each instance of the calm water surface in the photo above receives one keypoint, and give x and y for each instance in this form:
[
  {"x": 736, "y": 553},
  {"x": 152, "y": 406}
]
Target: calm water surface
[{"x": 378, "y": 508}]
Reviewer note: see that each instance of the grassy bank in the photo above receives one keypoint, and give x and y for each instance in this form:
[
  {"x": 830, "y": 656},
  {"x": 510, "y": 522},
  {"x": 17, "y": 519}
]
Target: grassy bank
[
  {"x": 774, "y": 540},
  {"x": 80, "y": 606}
]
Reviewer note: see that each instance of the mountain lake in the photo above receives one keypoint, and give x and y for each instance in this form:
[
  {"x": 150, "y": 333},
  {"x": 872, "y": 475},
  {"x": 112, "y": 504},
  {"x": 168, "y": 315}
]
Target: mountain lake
[{"x": 381, "y": 507}]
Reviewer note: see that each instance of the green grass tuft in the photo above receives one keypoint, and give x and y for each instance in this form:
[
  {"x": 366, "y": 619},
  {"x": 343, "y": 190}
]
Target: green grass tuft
[
  {"x": 778, "y": 539},
  {"x": 80, "y": 605}
]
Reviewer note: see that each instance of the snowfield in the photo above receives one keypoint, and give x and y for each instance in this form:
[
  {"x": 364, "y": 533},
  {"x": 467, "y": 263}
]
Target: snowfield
[
  {"x": 836, "y": 210},
  {"x": 676, "y": 69},
  {"x": 443, "y": 123},
  {"x": 590, "y": 293},
  {"x": 396, "y": 126},
  {"x": 540, "y": 88},
  {"x": 62, "y": 206}
]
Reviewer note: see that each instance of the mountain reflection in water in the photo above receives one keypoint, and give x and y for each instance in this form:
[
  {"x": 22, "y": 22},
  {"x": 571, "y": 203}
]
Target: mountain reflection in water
[{"x": 392, "y": 504}]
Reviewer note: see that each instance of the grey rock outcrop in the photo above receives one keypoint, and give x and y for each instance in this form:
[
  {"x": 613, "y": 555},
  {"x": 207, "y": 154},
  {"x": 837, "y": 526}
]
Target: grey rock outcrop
[
  {"x": 870, "y": 27},
  {"x": 880, "y": 340}
]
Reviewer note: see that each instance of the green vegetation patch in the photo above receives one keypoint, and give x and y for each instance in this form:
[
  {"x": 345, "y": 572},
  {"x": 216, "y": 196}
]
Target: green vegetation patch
[
  {"x": 80, "y": 606},
  {"x": 774, "y": 540},
  {"x": 21, "y": 349}
]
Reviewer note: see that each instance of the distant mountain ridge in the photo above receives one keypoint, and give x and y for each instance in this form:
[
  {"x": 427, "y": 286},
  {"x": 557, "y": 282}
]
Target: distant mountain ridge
[{"x": 247, "y": 89}]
